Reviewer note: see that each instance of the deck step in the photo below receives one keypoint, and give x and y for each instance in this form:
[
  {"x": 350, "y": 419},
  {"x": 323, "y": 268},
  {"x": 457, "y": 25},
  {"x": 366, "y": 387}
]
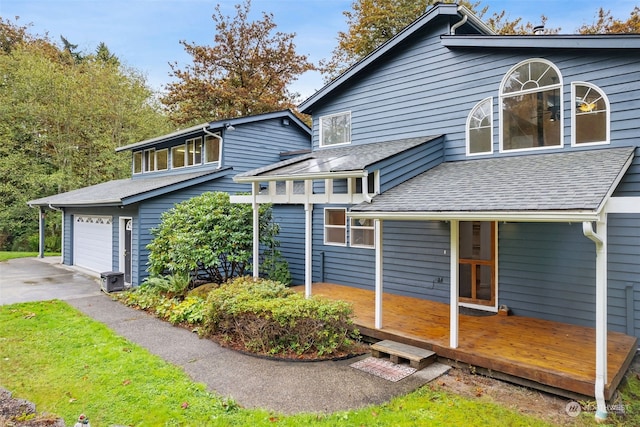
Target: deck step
[{"x": 418, "y": 358}]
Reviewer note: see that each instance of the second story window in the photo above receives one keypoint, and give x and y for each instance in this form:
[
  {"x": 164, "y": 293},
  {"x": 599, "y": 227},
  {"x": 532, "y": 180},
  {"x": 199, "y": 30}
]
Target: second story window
[
  {"x": 531, "y": 106},
  {"x": 177, "y": 156},
  {"x": 335, "y": 129},
  {"x": 590, "y": 118},
  {"x": 150, "y": 160},
  {"x": 137, "y": 162},
  {"x": 480, "y": 128},
  {"x": 162, "y": 160},
  {"x": 194, "y": 152},
  {"x": 211, "y": 149}
]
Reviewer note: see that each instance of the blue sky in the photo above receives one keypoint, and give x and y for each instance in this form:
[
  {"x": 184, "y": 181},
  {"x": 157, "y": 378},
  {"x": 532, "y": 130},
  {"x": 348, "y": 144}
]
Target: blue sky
[{"x": 145, "y": 34}]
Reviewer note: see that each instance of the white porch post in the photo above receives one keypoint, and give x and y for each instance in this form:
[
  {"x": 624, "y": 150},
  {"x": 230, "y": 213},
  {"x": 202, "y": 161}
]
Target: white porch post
[
  {"x": 454, "y": 285},
  {"x": 308, "y": 248},
  {"x": 256, "y": 230},
  {"x": 378, "y": 242},
  {"x": 41, "y": 232}
]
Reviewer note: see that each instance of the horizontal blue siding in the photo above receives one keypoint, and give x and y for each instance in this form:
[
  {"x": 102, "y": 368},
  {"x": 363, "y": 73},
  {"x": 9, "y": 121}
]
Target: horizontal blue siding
[
  {"x": 624, "y": 272},
  {"x": 290, "y": 218},
  {"x": 416, "y": 254},
  {"x": 547, "y": 271}
]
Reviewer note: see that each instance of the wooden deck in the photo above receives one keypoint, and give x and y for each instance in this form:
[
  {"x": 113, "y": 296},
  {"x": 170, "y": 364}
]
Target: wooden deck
[{"x": 551, "y": 356}]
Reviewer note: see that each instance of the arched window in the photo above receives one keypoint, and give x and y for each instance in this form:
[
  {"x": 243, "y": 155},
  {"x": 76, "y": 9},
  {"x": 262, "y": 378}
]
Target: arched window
[
  {"x": 531, "y": 106},
  {"x": 590, "y": 117},
  {"x": 480, "y": 128}
]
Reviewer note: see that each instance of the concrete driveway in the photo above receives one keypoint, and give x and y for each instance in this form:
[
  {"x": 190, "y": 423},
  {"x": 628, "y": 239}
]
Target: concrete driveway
[{"x": 41, "y": 279}]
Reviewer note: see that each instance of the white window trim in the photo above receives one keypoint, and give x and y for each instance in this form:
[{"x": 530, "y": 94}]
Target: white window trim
[
  {"x": 145, "y": 166},
  {"x": 361, "y": 227},
  {"x": 574, "y": 113},
  {"x": 133, "y": 162},
  {"x": 501, "y": 97},
  {"x": 192, "y": 158},
  {"x": 342, "y": 227},
  {"x": 320, "y": 144},
  {"x": 468, "y": 127}
]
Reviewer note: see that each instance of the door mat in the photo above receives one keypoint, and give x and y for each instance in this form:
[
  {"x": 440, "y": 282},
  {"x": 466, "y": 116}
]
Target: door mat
[{"x": 383, "y": 368}]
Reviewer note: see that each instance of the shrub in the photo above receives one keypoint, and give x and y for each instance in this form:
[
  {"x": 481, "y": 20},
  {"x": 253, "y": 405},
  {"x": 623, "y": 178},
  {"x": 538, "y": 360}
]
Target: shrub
[
  {"x": 209, "y": 237},
  {"x": 268, "y": 318}
]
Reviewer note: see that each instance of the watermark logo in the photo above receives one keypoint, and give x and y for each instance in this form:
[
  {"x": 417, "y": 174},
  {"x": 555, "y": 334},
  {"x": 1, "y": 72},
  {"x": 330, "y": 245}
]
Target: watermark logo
[{"x": 573, "y": 409}]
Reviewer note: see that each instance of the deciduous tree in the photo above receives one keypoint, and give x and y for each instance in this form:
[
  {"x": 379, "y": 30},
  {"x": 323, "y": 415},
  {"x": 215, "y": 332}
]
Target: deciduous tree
[
  {"x": 60, "y": 122},
  {"x": 246, "y": 71},
  {"x": 607, "y": 24},
  {"x": 372, "y": 22}
]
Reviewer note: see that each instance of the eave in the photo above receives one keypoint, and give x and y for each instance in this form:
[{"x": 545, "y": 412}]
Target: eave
[
  {"x": 568, "y": 41},
  {"x": 534, "y": 216}
]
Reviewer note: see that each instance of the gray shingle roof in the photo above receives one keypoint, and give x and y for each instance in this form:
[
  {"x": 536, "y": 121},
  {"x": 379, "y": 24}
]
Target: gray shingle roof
[
  {"x": 339, "y": 159},
  {"x": 116, "y": 192},
  {"x": 577, "y": 180}
]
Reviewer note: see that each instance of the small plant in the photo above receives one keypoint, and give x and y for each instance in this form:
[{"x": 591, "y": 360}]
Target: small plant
[{"x": 174, "y": 285}]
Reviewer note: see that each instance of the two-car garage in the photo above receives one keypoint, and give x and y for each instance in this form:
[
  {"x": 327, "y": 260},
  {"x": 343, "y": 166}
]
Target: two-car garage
[{"x": 93, "y": 242}]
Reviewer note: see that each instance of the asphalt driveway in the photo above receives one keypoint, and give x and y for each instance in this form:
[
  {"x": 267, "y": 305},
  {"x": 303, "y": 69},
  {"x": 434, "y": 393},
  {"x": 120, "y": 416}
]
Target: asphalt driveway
[{"x": 35, "y": 279}]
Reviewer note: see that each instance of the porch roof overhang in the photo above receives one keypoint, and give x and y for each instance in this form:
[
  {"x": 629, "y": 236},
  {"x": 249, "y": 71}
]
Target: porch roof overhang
[
  {"x": 560, "y": 187},
  {"x": 123, "y": 192}
]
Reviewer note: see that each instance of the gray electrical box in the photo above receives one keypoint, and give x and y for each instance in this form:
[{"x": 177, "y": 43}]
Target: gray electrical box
[{"x": 112, "y": 281}]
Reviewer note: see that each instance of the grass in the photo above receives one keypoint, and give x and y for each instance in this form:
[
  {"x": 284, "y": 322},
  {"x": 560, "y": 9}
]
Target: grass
[
  {"x": 4, "y": 255},
  {"x": 67, "y": 364}
]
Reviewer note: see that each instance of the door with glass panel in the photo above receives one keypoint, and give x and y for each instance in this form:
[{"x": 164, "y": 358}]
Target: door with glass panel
[{"x": 477, "y": 263}]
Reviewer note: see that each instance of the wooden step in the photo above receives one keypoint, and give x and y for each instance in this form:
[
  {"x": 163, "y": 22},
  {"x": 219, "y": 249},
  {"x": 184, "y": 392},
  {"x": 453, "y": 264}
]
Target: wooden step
[{"x": 418, "y": 358}]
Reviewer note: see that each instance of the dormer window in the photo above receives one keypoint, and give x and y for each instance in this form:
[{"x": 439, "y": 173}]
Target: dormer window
[
  {"x": 335, "y": 129},
  {"x": 480, "y": 128},
  {"x": 531, "y": 106},
  {"x": 194, "y": 152},
  {"x": 149, "y": 160},
  {"x": 211, "y": 149},
  {"x": 137, "y": 162},
  {"x": 590, "y": 116}
]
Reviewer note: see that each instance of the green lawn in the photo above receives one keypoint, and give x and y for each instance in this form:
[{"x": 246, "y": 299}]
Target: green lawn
[
  {"x": 67, "y": 364},
  {"x": 11, "y": 255}
]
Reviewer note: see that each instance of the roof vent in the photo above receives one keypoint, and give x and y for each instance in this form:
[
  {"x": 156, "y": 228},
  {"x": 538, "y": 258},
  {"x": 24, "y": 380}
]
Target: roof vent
[{"x": 538, "y": 30}]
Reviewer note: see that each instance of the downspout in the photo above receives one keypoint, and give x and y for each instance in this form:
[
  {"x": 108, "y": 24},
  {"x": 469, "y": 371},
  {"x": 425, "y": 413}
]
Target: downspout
[
  {"x": 204, "y": 129},
  {"x": 601, "y": 313},
  {"x": 365, "y": 193},
  {"x": 460, "y": 23}
]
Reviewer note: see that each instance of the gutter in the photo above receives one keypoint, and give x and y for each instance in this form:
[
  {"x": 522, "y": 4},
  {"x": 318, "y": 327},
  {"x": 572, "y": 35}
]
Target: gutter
[{"x": 320, "y": 175}]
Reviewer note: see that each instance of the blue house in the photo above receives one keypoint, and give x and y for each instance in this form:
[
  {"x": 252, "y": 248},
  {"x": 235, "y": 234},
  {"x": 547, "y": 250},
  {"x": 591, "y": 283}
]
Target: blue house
[
  {"x": 106, "y": 227},
  {"x": 456, "y": 168}
]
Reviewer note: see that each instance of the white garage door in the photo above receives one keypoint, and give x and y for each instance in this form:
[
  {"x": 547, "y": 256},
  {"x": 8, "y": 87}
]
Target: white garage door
[{"x": 92, "y": 237}]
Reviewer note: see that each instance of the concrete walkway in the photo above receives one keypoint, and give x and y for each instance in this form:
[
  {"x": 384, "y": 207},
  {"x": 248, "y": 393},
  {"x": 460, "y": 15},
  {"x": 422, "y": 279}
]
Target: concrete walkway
[{"x": 253, "y": 382}]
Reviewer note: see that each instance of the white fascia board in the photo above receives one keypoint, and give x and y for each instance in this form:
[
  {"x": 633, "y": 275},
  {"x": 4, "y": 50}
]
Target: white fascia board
[
  {"x": 623, "y": 205},
  {"x": 540, "y": 216},
  {"x": 321, "y": 175}
]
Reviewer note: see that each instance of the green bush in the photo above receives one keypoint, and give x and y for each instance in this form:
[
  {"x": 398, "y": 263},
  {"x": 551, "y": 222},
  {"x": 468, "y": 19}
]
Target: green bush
[
  {"x": 209, "y": 237},
  {"x": 268, "y": 318},
  {"x": 164, "y": 303}
]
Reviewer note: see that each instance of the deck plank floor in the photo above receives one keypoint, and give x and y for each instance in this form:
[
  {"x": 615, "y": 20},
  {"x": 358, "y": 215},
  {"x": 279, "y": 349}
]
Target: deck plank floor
[{"x": 554, "y": 355}]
